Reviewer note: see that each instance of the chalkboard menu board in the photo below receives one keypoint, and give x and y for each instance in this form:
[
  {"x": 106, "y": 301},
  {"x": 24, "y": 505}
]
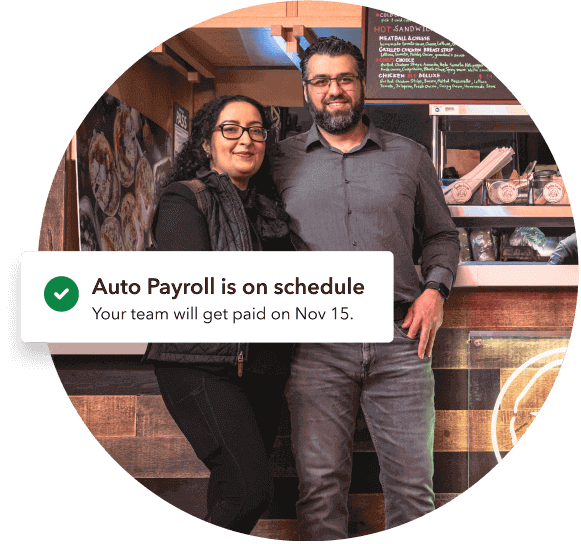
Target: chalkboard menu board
[{"x": 407, "y": 61}]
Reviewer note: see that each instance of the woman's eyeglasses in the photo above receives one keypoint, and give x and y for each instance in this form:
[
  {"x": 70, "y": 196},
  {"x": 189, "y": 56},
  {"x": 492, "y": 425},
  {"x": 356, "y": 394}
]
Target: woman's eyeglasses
[{"x": 233, "y": 132}]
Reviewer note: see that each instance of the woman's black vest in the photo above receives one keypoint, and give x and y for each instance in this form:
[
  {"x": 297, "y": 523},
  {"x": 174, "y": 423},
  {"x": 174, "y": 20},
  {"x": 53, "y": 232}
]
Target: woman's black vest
[{"x": 229, "y": 230}]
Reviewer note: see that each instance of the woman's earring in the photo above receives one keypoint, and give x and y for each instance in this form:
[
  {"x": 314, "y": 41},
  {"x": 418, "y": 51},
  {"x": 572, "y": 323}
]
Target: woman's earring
[{"x": 207, "y": 151}]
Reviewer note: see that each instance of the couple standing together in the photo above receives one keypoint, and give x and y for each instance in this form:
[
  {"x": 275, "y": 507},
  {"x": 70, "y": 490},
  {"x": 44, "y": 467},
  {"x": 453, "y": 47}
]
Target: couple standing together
[{"x": 345, "y": 186}]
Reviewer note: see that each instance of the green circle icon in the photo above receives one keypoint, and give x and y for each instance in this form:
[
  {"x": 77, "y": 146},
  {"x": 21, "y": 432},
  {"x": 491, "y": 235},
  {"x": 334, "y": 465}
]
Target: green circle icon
[{"x": 61, "y": 294}]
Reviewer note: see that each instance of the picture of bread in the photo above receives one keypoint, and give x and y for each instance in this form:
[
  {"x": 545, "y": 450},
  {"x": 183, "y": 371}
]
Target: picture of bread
[
  {"x": 122, "y": 158},
  {"x": 125, "y": 130},
  {"x": 103, "y": 175},
  {"x": 111, "y": 239},
  {"x": 144, "y": 189},
  {"x": 89, "y": 238},
  {"x": 130, "y": 225}
]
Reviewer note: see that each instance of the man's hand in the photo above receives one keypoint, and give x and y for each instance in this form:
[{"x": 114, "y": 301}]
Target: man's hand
[{"x": 427, "y": 314}]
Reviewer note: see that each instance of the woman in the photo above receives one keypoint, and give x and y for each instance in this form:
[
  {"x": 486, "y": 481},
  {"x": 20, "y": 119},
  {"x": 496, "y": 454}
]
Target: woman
[{"x": 225, "y": 398}]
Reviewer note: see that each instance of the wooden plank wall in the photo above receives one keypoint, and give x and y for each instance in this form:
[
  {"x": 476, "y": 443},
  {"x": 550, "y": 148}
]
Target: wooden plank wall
[
  {"x": 53, "y": 229},
  {"x": 118, "y": 398}
]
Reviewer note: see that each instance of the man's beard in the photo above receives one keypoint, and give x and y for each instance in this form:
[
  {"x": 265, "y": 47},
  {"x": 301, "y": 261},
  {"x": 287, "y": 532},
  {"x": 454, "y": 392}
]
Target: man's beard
[{"x": 337, "y": 122}]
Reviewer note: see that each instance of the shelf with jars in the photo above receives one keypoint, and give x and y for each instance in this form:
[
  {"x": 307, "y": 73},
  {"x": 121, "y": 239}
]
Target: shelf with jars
[{"x": 496, "y": 212}]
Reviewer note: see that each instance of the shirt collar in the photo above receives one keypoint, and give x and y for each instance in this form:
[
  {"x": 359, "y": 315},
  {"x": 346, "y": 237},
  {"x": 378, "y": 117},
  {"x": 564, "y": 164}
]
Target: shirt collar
[{"x": 315, "y": 139}]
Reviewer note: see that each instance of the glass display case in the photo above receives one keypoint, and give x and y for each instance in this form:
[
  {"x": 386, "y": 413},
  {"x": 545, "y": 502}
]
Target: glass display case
[{"x": 502, "y": 205}]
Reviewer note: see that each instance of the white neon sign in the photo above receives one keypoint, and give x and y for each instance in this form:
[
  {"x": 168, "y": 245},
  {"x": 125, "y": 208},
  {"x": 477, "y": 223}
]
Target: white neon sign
[{"x": 504, "y": 389}]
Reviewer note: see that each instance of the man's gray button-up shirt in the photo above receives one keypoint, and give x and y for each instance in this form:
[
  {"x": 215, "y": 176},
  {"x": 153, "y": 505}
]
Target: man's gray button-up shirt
[{"x": 370, "y": 199}]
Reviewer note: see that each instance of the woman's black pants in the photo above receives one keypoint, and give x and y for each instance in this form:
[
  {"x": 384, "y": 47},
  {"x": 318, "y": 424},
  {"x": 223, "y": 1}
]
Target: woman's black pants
[{"x": 231, "y": 422}]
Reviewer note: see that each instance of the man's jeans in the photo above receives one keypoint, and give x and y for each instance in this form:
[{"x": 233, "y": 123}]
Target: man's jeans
[{"x": 396, "y": 391}]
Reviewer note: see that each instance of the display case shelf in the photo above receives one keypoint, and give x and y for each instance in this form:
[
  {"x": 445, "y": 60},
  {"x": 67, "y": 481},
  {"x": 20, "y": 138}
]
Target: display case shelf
[
  {"x": 491, "y": 118},
  {"x": 480, "y": 124},
  {"x": 514, "y": 274},
  {"x": 512, "y": 216}
]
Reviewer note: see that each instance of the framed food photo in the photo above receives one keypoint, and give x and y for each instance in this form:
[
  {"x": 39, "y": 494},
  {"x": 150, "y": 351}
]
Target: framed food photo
[{"x": 122, "y": 157}]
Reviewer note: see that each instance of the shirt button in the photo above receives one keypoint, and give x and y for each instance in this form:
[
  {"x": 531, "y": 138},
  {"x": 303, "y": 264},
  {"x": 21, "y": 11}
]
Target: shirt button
[
  {"x": 346, "y": 181},
  {"x": 354, "y": 243},
  {"x": 349, "y": 212}
]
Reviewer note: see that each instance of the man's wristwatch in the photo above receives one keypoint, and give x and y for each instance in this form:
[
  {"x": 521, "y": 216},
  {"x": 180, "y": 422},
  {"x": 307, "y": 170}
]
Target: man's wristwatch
[{"x": 440, "y": 287}]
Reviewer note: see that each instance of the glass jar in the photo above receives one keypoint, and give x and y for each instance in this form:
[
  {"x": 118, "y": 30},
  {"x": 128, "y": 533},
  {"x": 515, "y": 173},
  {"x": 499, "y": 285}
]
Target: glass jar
[{"x": 507, "y": 192}]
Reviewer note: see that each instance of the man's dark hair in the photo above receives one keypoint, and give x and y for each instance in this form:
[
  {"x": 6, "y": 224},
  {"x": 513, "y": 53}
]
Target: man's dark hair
[{"x": 333, "y": 47}]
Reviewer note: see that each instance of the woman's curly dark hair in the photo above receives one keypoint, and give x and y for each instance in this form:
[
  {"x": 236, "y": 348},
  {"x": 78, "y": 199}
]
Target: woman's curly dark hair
[{"x": 192, "y": 156}]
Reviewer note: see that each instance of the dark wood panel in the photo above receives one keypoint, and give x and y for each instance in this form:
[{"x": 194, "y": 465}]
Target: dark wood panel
[
  {"x": 52, "y": 230},
  {"x": 484, "y": 388},
  {"x": 451, "y": 348},
  {"x": 450, "y": 472},
  {"x": 146, "y": 417},
  {"x": 101, "y": 362},
  {"x": 498, "y": 352},
  {"x": 511, "y": 308},
  {"x": 108, "y": 382},
  {"x": 155, "y": 457},
  {"x": 481, "y": 463},
  {"x": 451, "y": 389},
  {"x": 451, "y": 386},
  {"x": 72, "y": 242}
]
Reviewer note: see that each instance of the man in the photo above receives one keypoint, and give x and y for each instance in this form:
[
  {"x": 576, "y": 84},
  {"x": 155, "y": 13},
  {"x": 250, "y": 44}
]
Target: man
[{"x": 352, "y": 187}]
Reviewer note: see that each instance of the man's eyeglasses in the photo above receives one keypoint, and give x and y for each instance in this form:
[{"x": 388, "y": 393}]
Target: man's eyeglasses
[
  {"x": 233, "y": 132},
  {"x": 346, "y": 83}
]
